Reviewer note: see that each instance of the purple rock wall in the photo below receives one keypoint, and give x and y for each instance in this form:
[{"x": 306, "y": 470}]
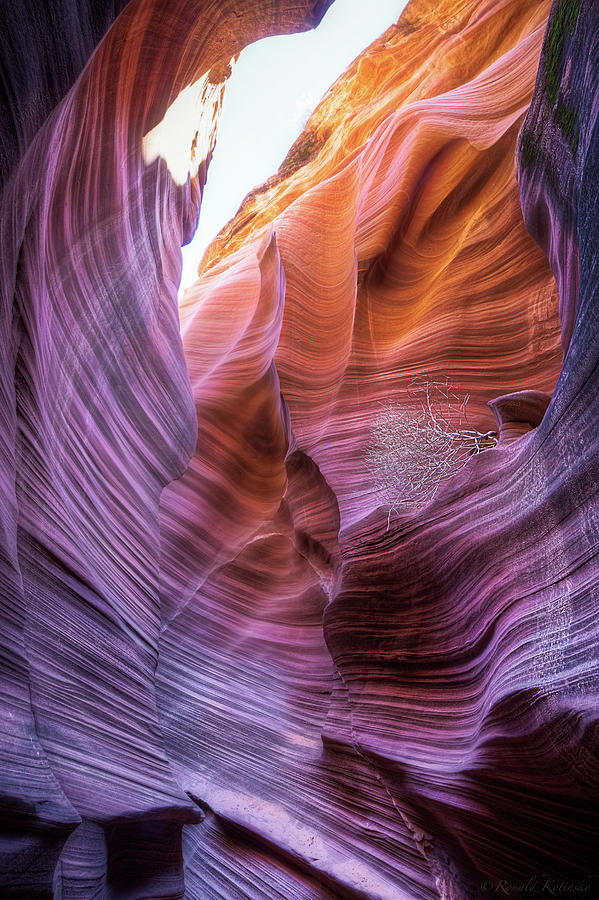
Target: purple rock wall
[{"x": 223, "y": 672}]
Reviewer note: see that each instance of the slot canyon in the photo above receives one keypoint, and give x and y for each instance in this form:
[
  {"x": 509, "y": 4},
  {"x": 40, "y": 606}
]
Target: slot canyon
[{"x": 298, "y": 575}]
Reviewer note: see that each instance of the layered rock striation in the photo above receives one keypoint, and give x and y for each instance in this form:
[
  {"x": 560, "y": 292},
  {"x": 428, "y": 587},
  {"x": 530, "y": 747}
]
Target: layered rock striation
[
  {"x": 247, "y": 652},
  {"x": 97, "y": 417}
]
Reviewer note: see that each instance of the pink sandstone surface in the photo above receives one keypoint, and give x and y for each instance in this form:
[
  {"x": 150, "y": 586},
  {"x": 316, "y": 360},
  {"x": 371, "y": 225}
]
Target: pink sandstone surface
[{"x": 231, "y": 667}]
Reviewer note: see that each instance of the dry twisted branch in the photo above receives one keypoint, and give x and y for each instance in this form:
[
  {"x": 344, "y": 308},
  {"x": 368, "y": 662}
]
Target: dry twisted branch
[{"x": 419, "y": 443}]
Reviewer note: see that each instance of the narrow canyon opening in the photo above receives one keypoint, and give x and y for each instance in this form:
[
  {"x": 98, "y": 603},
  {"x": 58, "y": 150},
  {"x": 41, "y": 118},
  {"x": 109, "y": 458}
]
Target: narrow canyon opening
[{"x": 274, "y": 87}]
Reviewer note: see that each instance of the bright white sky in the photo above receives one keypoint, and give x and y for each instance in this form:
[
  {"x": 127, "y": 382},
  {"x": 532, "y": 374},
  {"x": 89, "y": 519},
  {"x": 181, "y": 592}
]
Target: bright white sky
[{"x": 275, "y": 85}]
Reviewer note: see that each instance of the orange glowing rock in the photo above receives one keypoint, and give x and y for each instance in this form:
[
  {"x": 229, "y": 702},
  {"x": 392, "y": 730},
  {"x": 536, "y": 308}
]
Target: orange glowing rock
[{"x": 400, "y": 232}]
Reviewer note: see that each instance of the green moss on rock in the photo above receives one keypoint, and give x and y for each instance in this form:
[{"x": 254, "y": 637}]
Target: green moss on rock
[
  {"x": 529, "y": 150},
  {"x": 567, "y": 119},
  {"x": 564, "y": 19},
  {"x": 305, "y": 148}
]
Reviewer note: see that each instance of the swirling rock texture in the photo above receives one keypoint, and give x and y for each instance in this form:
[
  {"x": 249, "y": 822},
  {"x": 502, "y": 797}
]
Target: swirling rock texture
[
  {"x": 229, "y": 668},
  {"x": 97, "y": 416}
]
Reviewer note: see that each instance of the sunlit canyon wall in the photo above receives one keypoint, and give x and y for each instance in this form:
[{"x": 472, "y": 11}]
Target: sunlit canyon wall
[{"x": 232, "y": 665}]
